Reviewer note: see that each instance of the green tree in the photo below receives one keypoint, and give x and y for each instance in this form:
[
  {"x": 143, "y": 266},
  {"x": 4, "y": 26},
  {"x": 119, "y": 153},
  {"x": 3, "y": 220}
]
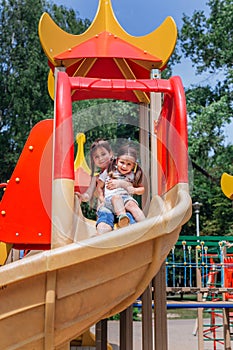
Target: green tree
[
  {"x": 116, "y": 121},
  {"x": 207, "y": 41},
  {"x": 24, "y": 71}
]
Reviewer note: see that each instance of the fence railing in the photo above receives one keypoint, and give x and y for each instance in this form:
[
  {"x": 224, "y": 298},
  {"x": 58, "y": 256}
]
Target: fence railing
[{"x": 209, "y": 256}]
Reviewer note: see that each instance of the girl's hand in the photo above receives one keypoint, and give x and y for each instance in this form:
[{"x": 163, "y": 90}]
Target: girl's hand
[
  {"x": 131, "y": 190},
  {"x": 112, "y": 184},
  {"x": 101, "y": 203},
  {"x": 83, "y": 197}
]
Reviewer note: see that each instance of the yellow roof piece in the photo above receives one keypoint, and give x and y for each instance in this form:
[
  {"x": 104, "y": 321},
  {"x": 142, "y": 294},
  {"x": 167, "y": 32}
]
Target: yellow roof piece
[
  {"x": 160, "y": 43},
  {"x": 227, "y": 185}
]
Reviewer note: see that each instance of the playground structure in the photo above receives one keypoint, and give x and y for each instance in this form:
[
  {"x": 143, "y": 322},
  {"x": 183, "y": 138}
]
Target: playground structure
[
  {"x": 200, "y": 271},
  {"x": 54, "y": 295}
]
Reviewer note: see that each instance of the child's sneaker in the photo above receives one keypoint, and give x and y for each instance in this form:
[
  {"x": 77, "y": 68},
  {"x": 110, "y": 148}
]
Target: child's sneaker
[{"x": 123, "y": 220}]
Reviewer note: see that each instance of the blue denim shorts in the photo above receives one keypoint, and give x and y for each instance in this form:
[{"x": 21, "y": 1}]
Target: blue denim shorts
[{"x": 106, "y": 216}]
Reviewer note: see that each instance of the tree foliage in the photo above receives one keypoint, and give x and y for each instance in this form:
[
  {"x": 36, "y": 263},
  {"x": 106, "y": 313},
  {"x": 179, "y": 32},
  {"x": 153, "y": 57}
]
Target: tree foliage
[
  {"x": 207, "y": 41},
  {"x": 24, "y": 72},
  {"x": 116, "y": 121},
  {"x": 207, "y": 148}
]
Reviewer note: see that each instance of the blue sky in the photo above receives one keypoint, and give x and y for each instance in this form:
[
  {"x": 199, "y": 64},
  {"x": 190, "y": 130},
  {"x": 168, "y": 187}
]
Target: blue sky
[
  {"x": 136, "y": 16},
  {"x": 141, "y": 17}
]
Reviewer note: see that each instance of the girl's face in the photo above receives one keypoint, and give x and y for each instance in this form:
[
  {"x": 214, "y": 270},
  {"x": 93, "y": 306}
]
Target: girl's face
[
  {"x": 102, "y": 157},
  {"x": 125, "y": 164}
]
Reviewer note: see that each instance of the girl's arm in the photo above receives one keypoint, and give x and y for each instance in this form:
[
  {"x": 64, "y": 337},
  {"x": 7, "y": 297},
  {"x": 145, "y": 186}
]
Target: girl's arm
[
  {"x": 114, "y": 183},
  {"x": 86, "y": 196},
  {"x": 100, "y": 190},
  {"x": 127, "y": 185},
  {"x": 136, "y": 190}
]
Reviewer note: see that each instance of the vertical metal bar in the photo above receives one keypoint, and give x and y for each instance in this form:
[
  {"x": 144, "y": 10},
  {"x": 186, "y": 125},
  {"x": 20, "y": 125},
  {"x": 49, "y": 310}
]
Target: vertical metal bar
[
  {"x": 173, "y": 267},
  {"x": 147, "y": 337},
  {"x": 101, "y": 335},
  {"x": 155, "y": 108},
  {"x": 222, "y": 256},
  {"x": 199, "y": 298},
  {"x": 226, "y": 329},
  {"x": 160, "y": 310},
  {"x": 206, "y": 265},
  {"x": 160, "y": 279},
  {"x": 226, "y": 312},
  {"x": 126, "y": 329},
  {"x": 185, "y": 263},
  {"x": 190, "y": 265},
  {"x": 145, "y": 154},
  {"x": 202, "y": 265}
]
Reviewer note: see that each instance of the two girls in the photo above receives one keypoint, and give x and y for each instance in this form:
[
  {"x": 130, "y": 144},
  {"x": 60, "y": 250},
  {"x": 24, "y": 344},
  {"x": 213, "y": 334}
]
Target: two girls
[{"x": 102, "y": 157}]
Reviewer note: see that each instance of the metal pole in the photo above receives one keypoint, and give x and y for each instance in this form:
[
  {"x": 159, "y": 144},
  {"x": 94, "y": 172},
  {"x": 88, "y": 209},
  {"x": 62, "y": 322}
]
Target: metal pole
[
  {"x": 196, "y": 207},
  {"x": 155, "y": 109},
  {"x": 197, "y": 223}
]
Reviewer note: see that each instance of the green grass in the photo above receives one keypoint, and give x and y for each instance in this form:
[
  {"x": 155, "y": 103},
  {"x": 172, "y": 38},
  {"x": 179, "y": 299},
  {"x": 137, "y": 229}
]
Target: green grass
[
  {"x": 187, "y": 313},
  {"x": 136, "y": 315},
  {"x": 184, "y": 314}
]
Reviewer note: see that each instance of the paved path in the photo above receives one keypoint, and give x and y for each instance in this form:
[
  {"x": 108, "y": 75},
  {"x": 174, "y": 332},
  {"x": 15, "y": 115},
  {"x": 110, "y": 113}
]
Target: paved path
[{"x": 180, "y": 336}]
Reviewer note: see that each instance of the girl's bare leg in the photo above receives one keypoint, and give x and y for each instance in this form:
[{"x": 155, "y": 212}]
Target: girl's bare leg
[
  {"x": 120, "y": 211},
  {"x": 102, "y": 227},
  {"x": 118, "y": 205},
  {"x": 134, "y": 209}
]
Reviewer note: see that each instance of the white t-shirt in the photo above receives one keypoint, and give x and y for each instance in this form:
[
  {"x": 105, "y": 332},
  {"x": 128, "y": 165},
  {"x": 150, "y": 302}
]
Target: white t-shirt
[{"x": 118, "y": 176}]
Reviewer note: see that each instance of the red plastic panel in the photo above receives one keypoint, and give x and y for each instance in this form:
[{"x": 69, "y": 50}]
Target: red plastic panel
[
  {"x": 82, "y": 180},
  {"x": 25, "y": 208},
  {"x": 64, "y": 138},
  {"x": 172, "y": 139},
  {"x": 106, "y": 44}
]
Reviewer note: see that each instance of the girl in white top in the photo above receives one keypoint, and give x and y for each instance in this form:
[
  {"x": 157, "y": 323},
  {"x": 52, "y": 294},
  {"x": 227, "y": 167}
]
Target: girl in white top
[
  {"x": 101, "y": 155},
  {"x": 119, "y": 199}
]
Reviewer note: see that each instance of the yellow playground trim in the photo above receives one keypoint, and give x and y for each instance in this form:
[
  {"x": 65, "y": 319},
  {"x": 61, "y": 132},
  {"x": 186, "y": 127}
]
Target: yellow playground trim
[{"x": 227, "y": 185}]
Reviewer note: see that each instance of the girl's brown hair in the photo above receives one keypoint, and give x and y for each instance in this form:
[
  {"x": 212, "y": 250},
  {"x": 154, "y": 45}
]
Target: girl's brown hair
[
  {"x": 129, "y": 151},
  {"x": 95, "y": 145}
]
